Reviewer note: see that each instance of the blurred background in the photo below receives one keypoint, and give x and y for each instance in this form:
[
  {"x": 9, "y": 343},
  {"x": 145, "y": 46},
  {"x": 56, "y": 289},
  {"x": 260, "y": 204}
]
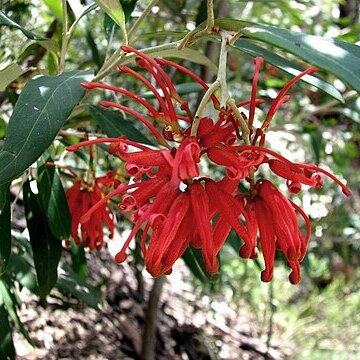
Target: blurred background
[{"x": 98, "y": 308}]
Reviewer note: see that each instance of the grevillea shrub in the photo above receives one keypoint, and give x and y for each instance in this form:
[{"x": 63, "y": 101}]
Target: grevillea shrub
[{"x": 169, "y": 199}]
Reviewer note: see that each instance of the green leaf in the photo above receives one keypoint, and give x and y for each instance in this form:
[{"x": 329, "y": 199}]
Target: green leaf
[
  {"x": 114, "y": 125},
  {"x": 339, "y": 58},
  {"x": 9, "y": 74},
  {"x": 114, "y": 9},
  {"x": 41, "y": 110},
  {"x": 5, "y": 228},
  {"x": 3, "y": 128},
  {"x": 288, "y": 66},
  {"x": 9, "y": 301},
  {"x": 4, "y": 193},
  {"x": 69, "y": 282},
  {"x": 21, "y": 263},
  {"x": 78, "y": 260},
  {"x": 128, "y": 7},
  {"x": 4, "y": 20},
  {"x": 55, "y": 6},
  {"x": 181, "y": 89},
  {"x": 46, "y": 248},
  {"x": 53, "y": 201},
  {"x": 186, "y": 54},
  {"x": 193, "y": 260},
  {"x": 7, "y": 350}
]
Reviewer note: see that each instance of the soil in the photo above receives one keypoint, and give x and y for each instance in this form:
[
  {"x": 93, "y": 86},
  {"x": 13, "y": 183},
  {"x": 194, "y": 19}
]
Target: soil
[{"x": 190, "y": 325}]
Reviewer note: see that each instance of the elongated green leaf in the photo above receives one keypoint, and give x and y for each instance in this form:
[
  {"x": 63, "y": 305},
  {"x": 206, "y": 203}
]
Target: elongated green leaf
[
  {"x": 5, "y": 231},
  {"x": 4, "y": 192},
  {"x": 186, "y": 54},
  {"x": 69, "y": 282},
  {"x": 53, "y": 201},
  {"x": 193, "y": 260},
  {"x": 286, "y": 65},
  {"x": 46, "y": 248},
  {"x": 128, "y": 7},
  {"x": 41, "y": 110},
  {"x": 4, "y": 20},
  {"x": 78, "y": 261},
  {"x": 114, "y": 9},
  {"x": 113, "y": 124},
  {"x": 7, "y": 350},
  {"x": 9, "y": 301},
  {"x": 55, "y": 6},
  {"x": 9, "y": 74},
  {"x": 21, "y": 263},
  {"x": 339, "y": 58},
  {"x": 181, "y": 89}
]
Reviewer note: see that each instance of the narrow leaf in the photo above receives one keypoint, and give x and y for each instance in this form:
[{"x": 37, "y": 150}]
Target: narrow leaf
[
  {"x": 288, "y": 66},
  {"x": 5, "y": 229},
  {"x": 194, "y": 262},
  {"x": 55, "y": 6},
  {"x": 4, "y": 20},
  {"x": 10, "y": 74},
  {"x": 53, "y": 201},
  {"x": 9, "y": 301},
  {"x": 186, "y": 54},
  {"x": 41, "y": 110},
  {"x": 7, "y": 350},
  {"x": 46, "y": 248},
  {"x": 78, "y": 261},
  {"x": 114, "y": 9},
  {"x": 70, "y": 282},
  {"x": 339, "y": 58},
  {"x": 113, "y": 124},
  {"x": 128, "y": 7}
]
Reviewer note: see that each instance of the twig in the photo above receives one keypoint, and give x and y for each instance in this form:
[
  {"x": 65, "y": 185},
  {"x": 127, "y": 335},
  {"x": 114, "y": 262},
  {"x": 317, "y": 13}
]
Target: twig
[
  {"x": 65, "y": 37},
  {"x": 149, "y": 334}
]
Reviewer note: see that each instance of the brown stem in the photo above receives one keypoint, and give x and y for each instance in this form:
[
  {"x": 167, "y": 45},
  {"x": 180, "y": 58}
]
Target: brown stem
[{"x": 149, "y": 334}]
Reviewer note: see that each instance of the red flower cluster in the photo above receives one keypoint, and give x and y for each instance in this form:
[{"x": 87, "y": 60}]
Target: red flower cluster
[
  {"x": 81, "y": 198},
  {"x": 176, "y": 207}
]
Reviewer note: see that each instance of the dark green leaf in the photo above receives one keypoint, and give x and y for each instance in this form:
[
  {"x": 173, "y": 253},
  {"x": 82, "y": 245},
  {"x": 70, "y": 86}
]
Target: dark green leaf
[
  {"x": 4, "y": 20},
  {"x": 3, "y": 127},
  {"x": 41, "y": 110},
  {"x": 96, "y": 57},
  {"x": 69, "y": 282},
  {"x": 4, "y": 193},
  {"x": 46, "y": 248},
  {"x": 10, "y": 304},
  {"x": 53, "y": 201},
  {"x": 182, "y": 89},
  {"x": 193, "y": 260},
  {"x": 7, "y": 350},
  {"x": 110, "y": 28},
  {"x": 128, "y": 7},
  {"x": 113, "y": 124},
  {"x": 339, "y": 58},
  {"x": 5, "y": 228},
  {"x": 79, "y": 263},
  {"x": 286, "y": 65},
  {"x": 21, "y": 263}
]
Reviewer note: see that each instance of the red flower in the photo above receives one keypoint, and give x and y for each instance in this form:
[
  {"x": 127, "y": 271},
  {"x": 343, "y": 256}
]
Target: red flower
[
  {"x": 278, "y": 226},
  {"x": 174, "y": 205},
  {"x": 81, "y": 198}
]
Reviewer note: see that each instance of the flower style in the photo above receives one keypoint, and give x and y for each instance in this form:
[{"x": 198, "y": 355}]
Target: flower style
[{"x": 175, "y": 207}]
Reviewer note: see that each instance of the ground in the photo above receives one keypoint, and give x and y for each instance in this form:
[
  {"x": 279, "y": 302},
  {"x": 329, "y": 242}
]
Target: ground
[{"x": 190, "y": 326}]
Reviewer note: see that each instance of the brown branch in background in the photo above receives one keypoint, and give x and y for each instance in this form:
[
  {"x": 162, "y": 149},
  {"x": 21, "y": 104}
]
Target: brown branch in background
[{"x": 149, "y": 334}]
